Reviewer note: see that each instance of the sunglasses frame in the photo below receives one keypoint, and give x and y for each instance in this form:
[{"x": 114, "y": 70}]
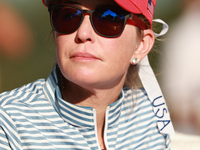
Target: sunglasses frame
[{"x": 135, "y": 20}]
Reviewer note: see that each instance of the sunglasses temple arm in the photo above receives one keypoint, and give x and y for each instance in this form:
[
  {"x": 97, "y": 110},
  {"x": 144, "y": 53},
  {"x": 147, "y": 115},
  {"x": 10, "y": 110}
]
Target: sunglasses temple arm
[{"x": 138, "y": 22}]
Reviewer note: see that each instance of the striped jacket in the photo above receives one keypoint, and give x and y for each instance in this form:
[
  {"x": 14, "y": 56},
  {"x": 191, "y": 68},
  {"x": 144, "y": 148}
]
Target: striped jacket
[{"x": 36, "y": 117}]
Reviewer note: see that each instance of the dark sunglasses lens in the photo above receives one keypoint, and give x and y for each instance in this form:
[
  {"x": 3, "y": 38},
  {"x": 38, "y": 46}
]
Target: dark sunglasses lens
[
  {"x": 65, "y": 19},
  {"x": 108, "y": 22}
]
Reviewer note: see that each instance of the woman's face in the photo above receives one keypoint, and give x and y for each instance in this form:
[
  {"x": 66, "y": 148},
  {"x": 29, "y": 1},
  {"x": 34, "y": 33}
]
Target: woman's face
[{"x": 88, "y": 59}]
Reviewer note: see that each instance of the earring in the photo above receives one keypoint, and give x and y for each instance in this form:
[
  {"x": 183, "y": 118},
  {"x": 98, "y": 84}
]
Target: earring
[{"x": 135, "y": 61}]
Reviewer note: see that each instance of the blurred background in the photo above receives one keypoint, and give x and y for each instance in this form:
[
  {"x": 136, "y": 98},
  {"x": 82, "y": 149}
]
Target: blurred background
[
  {"x": 26, "y": 45},
  {"x": 27, "y": 53}
]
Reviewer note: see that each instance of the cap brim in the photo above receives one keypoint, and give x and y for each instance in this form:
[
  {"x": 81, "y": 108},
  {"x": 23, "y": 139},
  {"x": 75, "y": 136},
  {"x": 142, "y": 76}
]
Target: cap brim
[{"x": 128, "y": 6}]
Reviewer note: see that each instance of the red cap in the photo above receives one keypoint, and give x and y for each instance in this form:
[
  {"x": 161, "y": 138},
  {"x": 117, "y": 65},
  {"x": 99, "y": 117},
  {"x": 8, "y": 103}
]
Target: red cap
[{"x": 145, "y": 7}]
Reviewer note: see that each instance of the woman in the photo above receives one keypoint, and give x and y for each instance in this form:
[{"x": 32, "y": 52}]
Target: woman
[{"x": 88, "y": 101}]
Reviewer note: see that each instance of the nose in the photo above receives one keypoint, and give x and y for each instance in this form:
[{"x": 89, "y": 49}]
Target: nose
[{"x": 85, "y": 32}]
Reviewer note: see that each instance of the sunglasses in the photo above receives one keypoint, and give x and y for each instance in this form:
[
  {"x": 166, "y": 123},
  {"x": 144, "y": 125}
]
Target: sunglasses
[{"x": 106, "y": 21}]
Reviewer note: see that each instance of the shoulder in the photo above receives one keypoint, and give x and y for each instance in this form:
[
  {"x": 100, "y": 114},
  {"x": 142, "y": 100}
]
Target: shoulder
[
  {"x": 16, "y": 106},
  {"x": 24, "y": 93},
  {"x": 138, "y": 111},
  {"x": 137, "y": 100},
  {"x": 139, "y": 105},
  {"x": 135, "y": 94},
  {"x": 134, "y": 91}
]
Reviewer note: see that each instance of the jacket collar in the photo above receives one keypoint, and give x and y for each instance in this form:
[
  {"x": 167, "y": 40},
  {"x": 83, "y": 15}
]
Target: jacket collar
[{"x": 78, "y": 116}]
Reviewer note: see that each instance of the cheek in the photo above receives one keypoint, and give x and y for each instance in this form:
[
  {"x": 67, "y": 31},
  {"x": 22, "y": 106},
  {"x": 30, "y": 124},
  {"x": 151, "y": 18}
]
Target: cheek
[
  {"x": 62, "y": 43},
  {"x": 60, "y": 40},
  {"x": 123, "y": 47},
  {"x": 129, "y": 41},
  {"x": 118, "y": 55}
]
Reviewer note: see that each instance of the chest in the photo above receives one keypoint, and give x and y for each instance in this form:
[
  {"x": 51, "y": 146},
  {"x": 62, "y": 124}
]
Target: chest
[{"x": 46, "y": 129}]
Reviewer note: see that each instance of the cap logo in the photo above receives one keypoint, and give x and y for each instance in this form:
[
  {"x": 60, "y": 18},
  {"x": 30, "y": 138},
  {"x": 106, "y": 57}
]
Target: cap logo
[{"x": 150, "y": 7}]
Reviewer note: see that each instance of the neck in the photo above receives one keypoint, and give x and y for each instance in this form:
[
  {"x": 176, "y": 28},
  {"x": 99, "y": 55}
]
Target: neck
[{"x": 97, "y": 98}]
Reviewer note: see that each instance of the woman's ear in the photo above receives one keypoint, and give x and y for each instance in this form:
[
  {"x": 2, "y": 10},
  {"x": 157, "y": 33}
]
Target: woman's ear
[{"x": 144, "y": 46}]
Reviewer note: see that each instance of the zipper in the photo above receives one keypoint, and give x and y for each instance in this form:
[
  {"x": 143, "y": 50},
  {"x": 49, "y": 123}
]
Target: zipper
[
  {"x": 95, "y": 128},
  {"x": 105, "y": 128}
]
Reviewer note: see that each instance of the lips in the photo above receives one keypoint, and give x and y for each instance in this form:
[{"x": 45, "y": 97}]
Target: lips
[{"x": 84, "y": 57}]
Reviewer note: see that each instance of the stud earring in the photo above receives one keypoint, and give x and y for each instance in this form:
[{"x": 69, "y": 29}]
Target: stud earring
[{"x": 135, "y": 61}]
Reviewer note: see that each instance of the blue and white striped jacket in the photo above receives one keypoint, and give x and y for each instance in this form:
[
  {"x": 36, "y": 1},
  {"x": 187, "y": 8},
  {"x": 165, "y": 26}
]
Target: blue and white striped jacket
[{"x": 36, "y": 117}]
